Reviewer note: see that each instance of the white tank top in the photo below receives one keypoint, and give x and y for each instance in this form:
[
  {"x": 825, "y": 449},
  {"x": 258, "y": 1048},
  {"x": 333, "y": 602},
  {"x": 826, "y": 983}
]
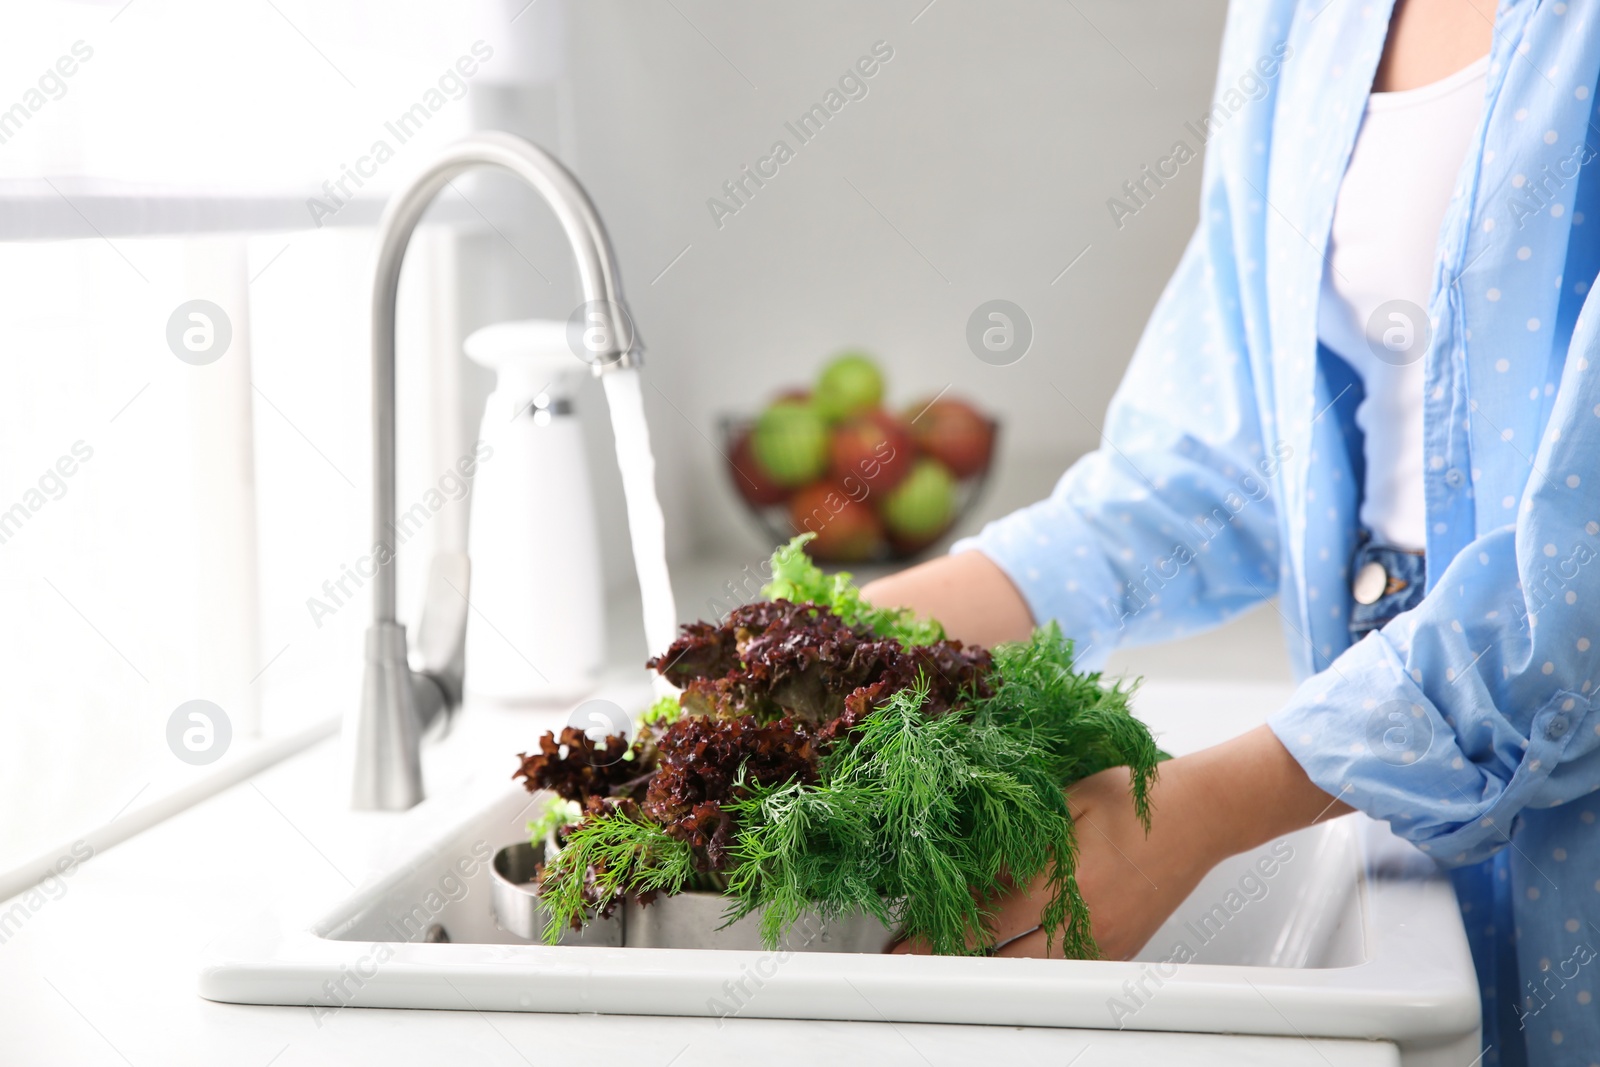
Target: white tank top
[{"x": 1375, "y": 287}]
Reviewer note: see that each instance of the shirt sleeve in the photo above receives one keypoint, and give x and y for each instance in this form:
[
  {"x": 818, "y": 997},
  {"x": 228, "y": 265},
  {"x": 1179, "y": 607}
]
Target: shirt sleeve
[
  {"x": 1169, "y": 527},
  {"x": 1479, "y": 702}
]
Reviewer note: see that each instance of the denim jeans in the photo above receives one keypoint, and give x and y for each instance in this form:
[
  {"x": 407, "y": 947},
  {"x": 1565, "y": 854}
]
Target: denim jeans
[{"x": 1407, "y": 580}]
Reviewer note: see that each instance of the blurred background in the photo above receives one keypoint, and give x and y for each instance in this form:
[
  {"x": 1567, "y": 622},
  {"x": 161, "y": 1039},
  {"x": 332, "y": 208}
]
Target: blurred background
[{"x": 230, "y": 153}]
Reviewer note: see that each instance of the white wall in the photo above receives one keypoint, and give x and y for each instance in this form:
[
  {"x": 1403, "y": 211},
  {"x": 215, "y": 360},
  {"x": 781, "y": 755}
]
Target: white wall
[{"x": 991, "y": 142}]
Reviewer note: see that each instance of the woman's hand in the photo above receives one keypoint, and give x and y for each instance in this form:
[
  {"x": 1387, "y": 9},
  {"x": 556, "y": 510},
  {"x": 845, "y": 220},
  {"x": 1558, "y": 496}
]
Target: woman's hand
[
  {"x": 1130, "y": 882},
  {"x": 1205, "y": 807}
]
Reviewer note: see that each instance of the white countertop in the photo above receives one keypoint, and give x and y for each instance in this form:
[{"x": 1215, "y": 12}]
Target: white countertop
[{"x": 105, "y": 970}]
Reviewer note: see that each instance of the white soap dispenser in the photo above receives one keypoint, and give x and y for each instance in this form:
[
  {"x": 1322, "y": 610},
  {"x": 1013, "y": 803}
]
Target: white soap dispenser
[{"x": 537, "y": 634}]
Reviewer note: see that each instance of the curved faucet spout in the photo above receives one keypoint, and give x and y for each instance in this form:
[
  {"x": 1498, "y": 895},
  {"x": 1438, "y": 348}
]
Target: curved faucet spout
[{"x": 398, "y": 703}]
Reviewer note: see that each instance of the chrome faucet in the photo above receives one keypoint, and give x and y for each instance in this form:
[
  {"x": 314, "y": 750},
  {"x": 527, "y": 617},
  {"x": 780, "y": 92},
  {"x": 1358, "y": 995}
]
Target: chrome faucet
[{"x": 399, "y": 703}]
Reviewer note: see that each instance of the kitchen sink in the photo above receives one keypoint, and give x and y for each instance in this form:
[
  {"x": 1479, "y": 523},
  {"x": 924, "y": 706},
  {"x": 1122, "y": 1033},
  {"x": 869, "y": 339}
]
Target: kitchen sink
[{"x": 1338, "y": 931}]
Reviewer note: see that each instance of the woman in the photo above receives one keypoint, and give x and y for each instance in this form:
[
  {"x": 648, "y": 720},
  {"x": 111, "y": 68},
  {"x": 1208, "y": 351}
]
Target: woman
[{"x": 1293, "y": 424}]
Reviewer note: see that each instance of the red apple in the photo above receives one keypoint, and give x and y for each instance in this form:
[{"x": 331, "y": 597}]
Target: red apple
[
  {"x": 873, "y": 449},
  {"x": 753, "y": 483},
  {"x": 847, "y": 529},
  {"x": 955, "y": 434}
]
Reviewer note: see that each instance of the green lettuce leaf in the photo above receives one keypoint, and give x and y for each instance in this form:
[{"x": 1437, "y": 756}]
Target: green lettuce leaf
[{"x": 796, "y": 578}]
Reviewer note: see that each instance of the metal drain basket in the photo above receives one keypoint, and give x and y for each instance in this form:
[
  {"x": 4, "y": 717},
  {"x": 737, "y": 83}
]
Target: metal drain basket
[
  {"x": 685, "y": 920},
  {"x": 518, "y": 909}
]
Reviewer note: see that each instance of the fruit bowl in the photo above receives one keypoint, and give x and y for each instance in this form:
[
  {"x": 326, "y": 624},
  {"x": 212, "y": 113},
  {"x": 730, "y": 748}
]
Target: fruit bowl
[{"x": 846, "y": 504}]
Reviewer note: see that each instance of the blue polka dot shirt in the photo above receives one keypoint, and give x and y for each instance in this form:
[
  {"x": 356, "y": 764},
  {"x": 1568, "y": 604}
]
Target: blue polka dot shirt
[{"x": 1231, "y": 470}]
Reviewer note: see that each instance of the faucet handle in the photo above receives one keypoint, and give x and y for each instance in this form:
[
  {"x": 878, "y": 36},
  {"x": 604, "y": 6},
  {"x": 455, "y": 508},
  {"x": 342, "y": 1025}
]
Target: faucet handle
[
  {"x": 442, "y": 633},
  {"x": 398, "y": 702}
]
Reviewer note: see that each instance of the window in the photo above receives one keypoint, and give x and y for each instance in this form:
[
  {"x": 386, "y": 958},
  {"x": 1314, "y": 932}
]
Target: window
[{"x": 183, "y": 485}]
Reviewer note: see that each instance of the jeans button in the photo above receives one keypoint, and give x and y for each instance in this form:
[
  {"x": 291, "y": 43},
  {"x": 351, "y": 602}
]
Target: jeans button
[
  {"x": 1370, "y": 582},
  {"x": 1454, "y": 478}
]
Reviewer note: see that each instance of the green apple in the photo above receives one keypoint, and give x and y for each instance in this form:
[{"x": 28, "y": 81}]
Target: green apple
[
  {"x": 790, "y": 442},
  {"x": 921, "y": 506},
  {"x": 851, "y": 382}
]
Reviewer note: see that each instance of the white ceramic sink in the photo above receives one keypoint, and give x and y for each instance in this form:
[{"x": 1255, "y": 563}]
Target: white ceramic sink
[
  {"x": 1341, "y": 931},
  {"x": 1351, "y": 934}
]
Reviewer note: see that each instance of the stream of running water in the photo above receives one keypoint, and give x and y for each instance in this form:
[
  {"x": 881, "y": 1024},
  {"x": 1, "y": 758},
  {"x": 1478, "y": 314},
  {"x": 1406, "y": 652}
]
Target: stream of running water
[{"x": 646, "y": 528}]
